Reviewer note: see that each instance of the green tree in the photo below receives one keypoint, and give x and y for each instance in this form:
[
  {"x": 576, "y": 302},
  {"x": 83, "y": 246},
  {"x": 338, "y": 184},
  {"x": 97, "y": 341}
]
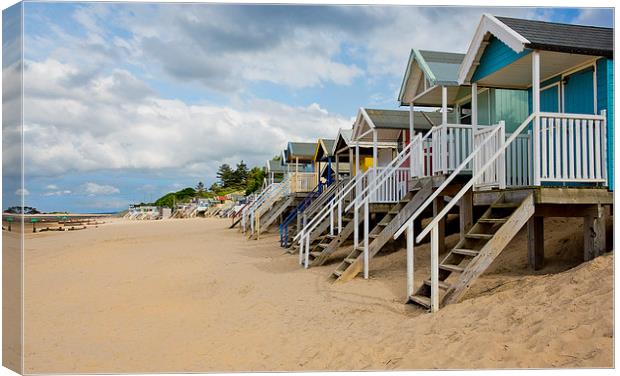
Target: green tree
[
  {"x": 255, "y": 180},
  {"x": 200, "y": 187},
  {"x": 241, "y": 173},
  {"x": 226, "y": 175}
]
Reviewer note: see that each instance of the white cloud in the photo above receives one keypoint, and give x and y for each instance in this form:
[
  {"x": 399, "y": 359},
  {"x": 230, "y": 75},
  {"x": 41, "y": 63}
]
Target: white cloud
[
  {"x": 86, "y": 108},
  {"x": 57, "y": 193},
  {"x": 22, "y": 191},
  {"x": 95, "y": 189},
  {"x": 51, "y": 186},
  {"x": 90, "y": 128}
]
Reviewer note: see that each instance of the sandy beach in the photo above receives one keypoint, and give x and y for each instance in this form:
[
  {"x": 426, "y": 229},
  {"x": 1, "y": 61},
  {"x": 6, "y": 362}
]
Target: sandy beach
[{"x": 192, "y": 295}]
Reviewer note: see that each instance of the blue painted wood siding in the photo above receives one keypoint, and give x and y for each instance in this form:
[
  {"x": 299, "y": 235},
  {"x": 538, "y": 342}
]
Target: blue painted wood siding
[
  {"x": 549, "y": 99},
  {"x": 510, "y": 106},
  {"x": 579, "y": 92},
  {"x": 496, "y": 56},
  {"x": 605, "y": 101}
]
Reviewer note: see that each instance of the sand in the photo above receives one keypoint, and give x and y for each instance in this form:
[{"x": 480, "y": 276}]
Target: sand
[{"x": 191, "y": 295}]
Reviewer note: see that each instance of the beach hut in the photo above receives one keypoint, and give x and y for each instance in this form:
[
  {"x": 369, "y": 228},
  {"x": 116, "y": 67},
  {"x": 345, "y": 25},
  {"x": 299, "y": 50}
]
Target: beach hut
[
  {"x": 275, "y": 170},
  {"x": 524, "y": 165},
  {"x": 300, "y": 165},
  {"x": 343, "y": 153},
  {"x": 323, "y": 160}
]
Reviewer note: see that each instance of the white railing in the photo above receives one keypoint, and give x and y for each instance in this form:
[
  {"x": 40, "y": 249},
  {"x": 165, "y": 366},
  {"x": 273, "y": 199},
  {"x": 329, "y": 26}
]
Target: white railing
[
  {"x": 518, "y": 163},
  {"x": 392, "y": 188},
  {"x": 258, "y": 199},
  {"x": 494, "y": 176},
  {"x": 571, "y": 147},
  {"x": 334, "y": 209},
  {"x": 303, "y": 181},
  {"x": 450, "y": 144},
  {"x": 281, "y": 190}
]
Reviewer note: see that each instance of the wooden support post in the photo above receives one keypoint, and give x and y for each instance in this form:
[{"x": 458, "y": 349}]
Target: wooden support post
[
  {"x": 366, "y": 241},
  {"x": 466, "y": 212},
  {"x": 410, "y": 260},
  {"x": 594, "y": 234},
  {"x": 535, "y": 242},
  {"x": 438, "y": 205},
  {"x": 435, "y": 238}
]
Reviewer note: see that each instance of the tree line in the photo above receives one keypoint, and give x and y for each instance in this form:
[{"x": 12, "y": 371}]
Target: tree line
[{"x": 229, "y": 180}]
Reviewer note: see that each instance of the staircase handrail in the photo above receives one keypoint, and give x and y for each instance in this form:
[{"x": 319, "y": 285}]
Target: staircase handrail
[
  {"x": 327, "y": 195},
  {"x": 247, "y": 211},
  {"x": 318, "y": 189},
  {"x": 310, "y": 226}
]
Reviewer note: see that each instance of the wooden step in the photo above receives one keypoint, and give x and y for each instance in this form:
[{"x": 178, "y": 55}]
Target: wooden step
[
  {"x": 337, "y": 273},
  {"x": 421, "y": 300},
  {"x": 349, "y": 260},
  {"x": 479, "y": 236},
  {"x": 465, "y": 252},
  {"x": 451, "y": 268},
  {"x": 315, "y": 254},
  {"x": 323, "y": 245},
  {"x": 442, "y": 285},
  {"x": 505, "y": 205},
  {"x": 493, "y": 220}
]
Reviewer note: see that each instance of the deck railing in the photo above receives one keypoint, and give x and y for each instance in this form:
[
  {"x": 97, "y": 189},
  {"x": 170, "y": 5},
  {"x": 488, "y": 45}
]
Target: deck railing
[
  {"x": 393, "y": 188},
  {"x": 571, "y": 148},
  {"x": 518, "y": 165},
  {"x": 495, "y": 175},
  {"x": 303, "y": 181},
  {"x": 450, "y": 144}
]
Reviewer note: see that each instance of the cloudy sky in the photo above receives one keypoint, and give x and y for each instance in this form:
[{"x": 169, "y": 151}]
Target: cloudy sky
[{"x": 125, "y": 102}]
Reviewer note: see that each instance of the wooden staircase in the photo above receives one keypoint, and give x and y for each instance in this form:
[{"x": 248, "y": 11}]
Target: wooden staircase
[
  {"x": 321, "y": 235},
  {"x": 276, "y": 209},
  {"x": 326, "y": 244},
  {"x": 476, "y": 251},
  {"x": 353, "y": 264}
]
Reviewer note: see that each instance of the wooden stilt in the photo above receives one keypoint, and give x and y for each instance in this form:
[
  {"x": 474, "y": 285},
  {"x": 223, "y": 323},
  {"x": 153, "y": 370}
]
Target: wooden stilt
[
  {"x": 438, "y": 205},
  {"x": 466, "y": 213},
  {"x": 535, "y": 242},
  {"x": 594, "y": 234}
]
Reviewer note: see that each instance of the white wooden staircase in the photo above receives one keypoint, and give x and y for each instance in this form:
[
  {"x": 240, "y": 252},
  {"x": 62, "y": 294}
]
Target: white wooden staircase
[{"x": 472, "y": 255}]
